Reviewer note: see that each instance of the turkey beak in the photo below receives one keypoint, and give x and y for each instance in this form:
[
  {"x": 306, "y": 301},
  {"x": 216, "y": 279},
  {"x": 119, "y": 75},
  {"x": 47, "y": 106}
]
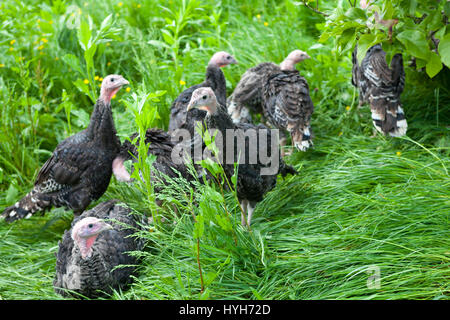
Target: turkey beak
[
  {"x": 105, "y": 227},
  {"x": 192, "y": 104},
  {"x": 121, "y": 82},
  {"x": 233, "y": 61}
]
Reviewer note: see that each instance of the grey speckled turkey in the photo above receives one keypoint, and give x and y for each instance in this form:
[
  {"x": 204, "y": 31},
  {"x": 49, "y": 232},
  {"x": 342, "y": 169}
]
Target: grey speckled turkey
[
  {"x": 255, "y": 178},
  {"x": 247, "y": 96},
  {"x": 215, "y": 79},
  {"x": 80, "y": 168},
  {"x": 287, "y": 103},
  {"x": 99, "y": 240},
  {"x": 381, "y": 87}
]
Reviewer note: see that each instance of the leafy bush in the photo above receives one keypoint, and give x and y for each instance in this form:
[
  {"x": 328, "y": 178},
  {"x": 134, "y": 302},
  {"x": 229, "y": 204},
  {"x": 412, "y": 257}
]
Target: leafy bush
[{"x": 418, "y": 29}]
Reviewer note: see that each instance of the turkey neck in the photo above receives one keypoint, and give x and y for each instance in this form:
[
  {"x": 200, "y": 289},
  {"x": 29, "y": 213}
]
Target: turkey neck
[
  {"x": 216, "y": 80},
  {"x": 219, "y": 120},
  {"x": 101, "y": 126}
]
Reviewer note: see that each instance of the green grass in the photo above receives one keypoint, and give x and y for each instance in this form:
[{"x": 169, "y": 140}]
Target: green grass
[{"x": 359, "y": 202}]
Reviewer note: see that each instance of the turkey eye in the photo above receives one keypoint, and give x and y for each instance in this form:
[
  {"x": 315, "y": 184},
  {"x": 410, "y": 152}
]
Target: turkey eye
[
  {"x": 90, "y": 225},
  {"x": 204, "y": 97},
  {"x": 228, "y": 57},
  {"x": 112, "y": 79}
]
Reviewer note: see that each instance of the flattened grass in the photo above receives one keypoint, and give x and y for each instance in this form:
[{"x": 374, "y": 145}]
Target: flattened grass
[{"x": 359, "y": 204}]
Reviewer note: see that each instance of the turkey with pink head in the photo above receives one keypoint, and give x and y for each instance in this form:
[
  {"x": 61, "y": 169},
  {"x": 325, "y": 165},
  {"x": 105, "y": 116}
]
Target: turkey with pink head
[
  {"x": 91, "y": 253},
  {"x": 215, "y": 79},
  {"x": 80, "y": 168}
]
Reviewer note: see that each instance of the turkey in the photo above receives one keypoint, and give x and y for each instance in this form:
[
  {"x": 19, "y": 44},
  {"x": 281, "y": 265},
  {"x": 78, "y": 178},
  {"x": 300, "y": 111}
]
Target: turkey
[
  {"x": 381, "y": 87},
  {"x": 287, "y": 103},
  {"x": 255, "y": 177},
  {"x": 99, "y": 240},
  {"x": 247, "y": 96},
  {"x": 160, "y": 144},
  {"x": 215, "y": 79},
  {"x": 80, "y": 167}
]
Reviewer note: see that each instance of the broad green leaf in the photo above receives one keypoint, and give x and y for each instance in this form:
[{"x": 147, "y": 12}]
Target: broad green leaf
[
  {"x": 440, "y": 34},
  {"x": 447, "y": 9},
  {"x": 388, "y": 10},
  {"x": 224, "y": 222},
  {"x": 84, "y": 88},
  {"x": 89, "y": 57},
  {"x": 158, "y": 44},
  {"x": 432, "y": 22},
  {"x": 167, "y": 36},
  {"x": 412, "y": 7},
  {"x": 316, "y": 46},
  {"x": 347, "y": 36},
  {"x": 415, "y": 43},
  {"x": 84, "y": 34},
  {"x": 213, "y": 195},
  {"x": 420, "y": 63},
  {"x": 106, "y": 23},
  {"x": 135, "y": 173},
  {"x": 364, "y": 43},
  {"x": 444, "y": 50},
  {"x": 347, "y": 25},
  {"x": 356, "y": 13},
  {"x": 199, "y": 227},
  {"x": 434, "y": 65},
  {"x": 154, "y": 96},
  {"x": 73, "y": 62},
  {"x": 11, "y": 194},
  {"x": 211, "y": 166},
  {"x": 324, "y": 36},
  {"x": 205, "y": 294},
  {"x": 210, "y": 277}
]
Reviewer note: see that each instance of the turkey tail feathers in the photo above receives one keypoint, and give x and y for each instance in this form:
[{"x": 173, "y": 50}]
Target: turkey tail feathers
[
  {"x": 302, "y": 139},
  {"x": 25, "y": 208},
  {"x": 402, "y": 125},
  {"x": 392, "y": 123}
]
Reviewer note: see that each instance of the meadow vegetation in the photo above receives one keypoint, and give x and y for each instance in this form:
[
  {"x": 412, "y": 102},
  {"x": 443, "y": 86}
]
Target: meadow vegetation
[{"x": 359, "y": 203}]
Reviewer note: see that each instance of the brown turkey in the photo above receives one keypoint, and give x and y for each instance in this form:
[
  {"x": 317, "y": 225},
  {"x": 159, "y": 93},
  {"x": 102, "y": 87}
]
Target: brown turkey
[
  {"x": 80, "y": 168},
  {"x": 99, "y": 241},
  {"x": 381, "y": 87},
  {"x": 286, "y": 101},
  {"x": 257, "y": 177},
  {"x": 215, "y": 79},
  {"x": 247, "y": 96}
]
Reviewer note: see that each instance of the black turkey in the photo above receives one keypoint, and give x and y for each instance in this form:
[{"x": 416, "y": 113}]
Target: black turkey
[
  {"x": 287, "y": 103},
  {"x": 247, "y": 96},
  {"x": 161, "y": 144},
  {"x": 80, "y": 168},
  {"x": 255, "y": 177},
  {"x": 381, "y": 87},
  {"x": 215, "y": 79},
  {"x": 99, "y": 240}
]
